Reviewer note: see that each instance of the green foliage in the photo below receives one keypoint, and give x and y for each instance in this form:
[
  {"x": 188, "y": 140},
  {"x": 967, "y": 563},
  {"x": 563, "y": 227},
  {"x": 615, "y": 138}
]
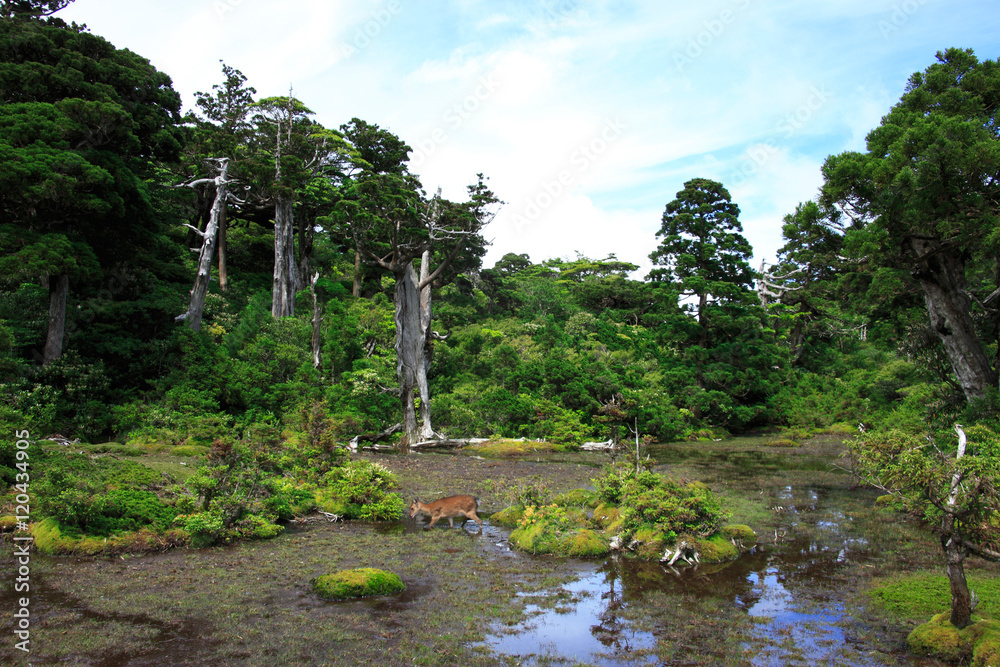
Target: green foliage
[
  {"x": 360, "y": 582},
  {"x": 654, "y": 503},
  {"x": 361, "y": 490}
]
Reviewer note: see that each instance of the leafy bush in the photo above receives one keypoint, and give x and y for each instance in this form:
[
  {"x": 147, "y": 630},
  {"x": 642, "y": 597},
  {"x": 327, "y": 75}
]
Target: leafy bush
[{"x": 361, "y": 490}]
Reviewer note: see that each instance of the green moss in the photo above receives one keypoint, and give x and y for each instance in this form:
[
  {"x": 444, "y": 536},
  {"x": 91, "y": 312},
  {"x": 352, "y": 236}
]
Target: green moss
[
  {"x": 532, "y": 538},
  {"x": 716, "y": 549},
  {"x": 576, "y": 498},
  {"x": 938, "y": 638},
  {"x": 783, "y": 442},
  {"x": 508, "y": 518},
  {"x": 651, "y": 543},
  {"x": 605, "y": 515},
  {"x": 585, "y": 543},
  {"x": 506, "y": 448},
  {"x": 7, "y": 523},
  {"x": 987, "y": 649},
  {"x": 360, "y": 582},
  {"x": 740, "y": 533}
]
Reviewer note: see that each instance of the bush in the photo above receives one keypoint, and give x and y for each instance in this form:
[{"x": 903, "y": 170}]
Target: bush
[{"x": 361, "y": 490}]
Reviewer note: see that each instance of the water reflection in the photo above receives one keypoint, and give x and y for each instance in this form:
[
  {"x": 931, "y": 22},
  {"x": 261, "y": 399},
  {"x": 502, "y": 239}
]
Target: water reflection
[{"x": 793, "y": 587}]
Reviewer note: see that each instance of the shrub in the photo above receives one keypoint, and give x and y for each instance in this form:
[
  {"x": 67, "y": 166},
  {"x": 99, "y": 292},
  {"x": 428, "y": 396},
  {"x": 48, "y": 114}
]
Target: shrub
[{"x": 361, "y": 490}]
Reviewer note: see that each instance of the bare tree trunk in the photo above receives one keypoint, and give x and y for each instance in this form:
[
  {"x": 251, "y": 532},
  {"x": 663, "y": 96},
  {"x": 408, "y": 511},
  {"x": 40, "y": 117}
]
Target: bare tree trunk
[
  {"x": 317, "y": 320},
  {"x": 409, "y": 345},
  {"x": 283, "y": 286},
  {"x": 942, "y": 277},
  {"x": 58, "y": 291},
  {"x": 204, "y": 275},
  {"x": 426, "y": 431},
  {"x": 223, "y": 251},
  {"x": 955, "y": 551}
]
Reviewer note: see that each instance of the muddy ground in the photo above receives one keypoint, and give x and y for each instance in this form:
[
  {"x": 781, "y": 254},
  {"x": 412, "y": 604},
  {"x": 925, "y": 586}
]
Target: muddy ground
[{"x": 468, "y": 593}]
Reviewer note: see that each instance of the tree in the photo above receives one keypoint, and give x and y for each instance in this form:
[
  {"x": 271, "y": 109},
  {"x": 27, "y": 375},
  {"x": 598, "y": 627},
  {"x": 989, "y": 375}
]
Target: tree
[
  {"x": 295, "y": 150},
  {"x": 393, "y": 227},
  {"x": 378, "y": 151},
  {"x": 703, "y": 248},
  {"x": 84, "y": 127},
  {"x": 706, "y": 258},
  {"x": 802, "y": 287},
  {"x": 223, "y": 134},
  {"x": 959, "y": 492},
  {"x": 924, "y": 202}
]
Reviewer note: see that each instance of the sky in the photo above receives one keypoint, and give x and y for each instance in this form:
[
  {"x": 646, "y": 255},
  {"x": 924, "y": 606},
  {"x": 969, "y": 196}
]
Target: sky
[{"x": 587, "y": 116}]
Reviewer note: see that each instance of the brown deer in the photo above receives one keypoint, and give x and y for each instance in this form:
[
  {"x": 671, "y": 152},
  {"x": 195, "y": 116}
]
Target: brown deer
[{"x": 448, "y": 508}]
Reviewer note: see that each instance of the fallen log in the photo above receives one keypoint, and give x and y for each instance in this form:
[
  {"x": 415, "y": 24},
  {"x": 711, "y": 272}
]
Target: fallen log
[
  {"x": 598, "y": 446},
  {"x": 448, "y": 442}
]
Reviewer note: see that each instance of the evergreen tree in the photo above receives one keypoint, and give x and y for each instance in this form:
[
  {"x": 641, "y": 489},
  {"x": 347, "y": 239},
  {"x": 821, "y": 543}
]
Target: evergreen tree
[{"x": 924, "y": 200}]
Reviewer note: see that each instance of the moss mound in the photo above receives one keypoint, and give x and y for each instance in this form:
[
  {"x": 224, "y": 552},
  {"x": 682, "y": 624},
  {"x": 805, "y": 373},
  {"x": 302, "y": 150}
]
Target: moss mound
[
  {"x": 361, "y": 582},
  {"x": 740, "y": 533},
  {"x": 939, "y": 639},
  {"x": 508, "y": 518}
]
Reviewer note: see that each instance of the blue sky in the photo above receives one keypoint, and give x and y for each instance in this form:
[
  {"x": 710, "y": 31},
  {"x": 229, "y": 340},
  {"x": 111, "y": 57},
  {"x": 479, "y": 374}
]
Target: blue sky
[{"x": 587, "y": 115}]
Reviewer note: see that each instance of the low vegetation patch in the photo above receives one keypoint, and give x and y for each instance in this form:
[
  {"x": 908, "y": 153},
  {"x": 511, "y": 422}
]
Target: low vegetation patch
[
  {"x": 360, "y": 582},
  {"x": 922, "y": 594},
  {"x": 497, "y": 448},
  {"x": 641, "y": 512}
]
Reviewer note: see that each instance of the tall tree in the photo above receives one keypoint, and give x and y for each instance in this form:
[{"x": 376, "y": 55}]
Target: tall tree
[
  {"x": 924, "y": 200},
  {"x": 393, "y": 227},
  {"x": 84, "y": 127},
  {"x": 378, "y": 151},
  {"x": 223, "y": 134},
  {"x": 295, "y": 150},
  {"x": 703, "y": 249}
]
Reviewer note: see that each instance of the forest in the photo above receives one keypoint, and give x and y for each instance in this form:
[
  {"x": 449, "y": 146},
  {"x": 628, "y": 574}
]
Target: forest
[{"x": 240, "y": 285}]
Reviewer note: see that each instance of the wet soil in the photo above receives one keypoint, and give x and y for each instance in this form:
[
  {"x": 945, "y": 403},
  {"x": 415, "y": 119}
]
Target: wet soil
[{"x": 798, "y": 599}]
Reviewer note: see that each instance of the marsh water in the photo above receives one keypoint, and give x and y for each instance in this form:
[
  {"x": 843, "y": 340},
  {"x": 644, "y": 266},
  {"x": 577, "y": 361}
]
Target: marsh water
[
  {"x": 471, "y": 600},
  {"x": 790, "y": 589}
]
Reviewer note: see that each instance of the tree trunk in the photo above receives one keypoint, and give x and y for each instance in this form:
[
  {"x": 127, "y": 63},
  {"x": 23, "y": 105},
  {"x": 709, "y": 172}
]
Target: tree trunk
[
  {"x": 426, "y": 431},
  {"x": 283, "y": 286},
  {"x": 410, "y": 341},
  {"x": 58, "y": 291},
  {"x": 223, "y": 251},
  {"x": 204, "y": 275},
  {"x": 359, "y": 274},
  {"x": 317, "y": 320},
  {"x": 942, "y": 277},
  {"x": 961, "y": 598}
]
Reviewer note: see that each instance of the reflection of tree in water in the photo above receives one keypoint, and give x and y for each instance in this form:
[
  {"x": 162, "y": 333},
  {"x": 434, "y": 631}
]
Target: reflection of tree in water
[
  {"x": 628, "y": 581},
  {"x": 821, "y": 538}
]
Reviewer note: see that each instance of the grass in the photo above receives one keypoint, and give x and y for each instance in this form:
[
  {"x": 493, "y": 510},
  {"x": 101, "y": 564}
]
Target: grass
[{"x": 920, "y": 595}]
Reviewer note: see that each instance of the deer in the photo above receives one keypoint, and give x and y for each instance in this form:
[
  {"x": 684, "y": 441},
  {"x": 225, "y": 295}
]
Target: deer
[{"x": 448, "y": 508}]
